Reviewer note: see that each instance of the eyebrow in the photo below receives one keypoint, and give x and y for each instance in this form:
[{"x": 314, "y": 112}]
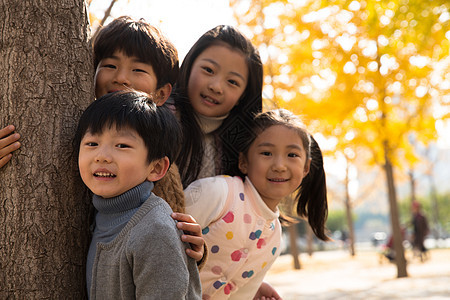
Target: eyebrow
[
  {"x": 216, "y": 64},
  {"x": 291, "y": 146},
  {"x": 133, "y": 59},
  {"x": 111, "y": 57},
  {"x": 127, "y": 133},
  {"x": 120, "y": 133}
]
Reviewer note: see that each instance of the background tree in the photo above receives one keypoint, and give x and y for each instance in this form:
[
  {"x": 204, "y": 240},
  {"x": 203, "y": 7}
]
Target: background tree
[
  {"x": 46, "y": 75},
  {"x": 357, "y": 68},
  {"x": 98, "y": 21},
  {"x": 348, "y": 210}
]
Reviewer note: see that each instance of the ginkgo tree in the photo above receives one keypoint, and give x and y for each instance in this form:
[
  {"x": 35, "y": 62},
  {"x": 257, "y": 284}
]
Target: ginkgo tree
[{"x": 362, "y": 67}]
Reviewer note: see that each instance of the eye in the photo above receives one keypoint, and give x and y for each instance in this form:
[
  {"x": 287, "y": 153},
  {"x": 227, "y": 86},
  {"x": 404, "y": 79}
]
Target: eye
[
  {"x": 139, "y": 70},
  {"x": 109, "y": 66},
  {"x": 266, "y": 153},
  {"x": 233, "y": 82},
  {"x": 208, "y": 70},
  {"x": 91, "y": 144},
  {"x": 293, "y": 155},
  {"x": 123, "y": 146}
]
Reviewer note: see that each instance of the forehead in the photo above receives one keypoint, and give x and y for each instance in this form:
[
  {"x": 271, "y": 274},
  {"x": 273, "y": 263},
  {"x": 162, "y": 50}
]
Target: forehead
[
  {"x": 279, "y": 135},
  {"x": 223, "y": 54},
  {"x": 113, "y": 130},
  {"x": 222, "y": 51},
  {"x": 122, "y": 55}
]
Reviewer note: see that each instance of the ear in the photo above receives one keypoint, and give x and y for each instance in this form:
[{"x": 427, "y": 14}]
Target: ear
[
  {"x": 162, "y": 94},
  {"x": 158, "y": 169},
  {"x": 242, "y": 163},
  {"x": 307, "y": 167}
]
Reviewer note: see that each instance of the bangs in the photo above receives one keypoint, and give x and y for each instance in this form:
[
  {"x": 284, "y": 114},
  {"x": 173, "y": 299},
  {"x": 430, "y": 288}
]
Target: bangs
[
  {"x": 114, "y": 117},
  {"x": 131, "y": 42}
]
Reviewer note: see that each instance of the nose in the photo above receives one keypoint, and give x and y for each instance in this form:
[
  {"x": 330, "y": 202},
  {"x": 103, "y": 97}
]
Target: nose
[
  {"x": 279, "y": 164},
  {"x": 122, "y": 77},
  {"x": 215, "y": 85},
  {"x": 103, "y": 155}
]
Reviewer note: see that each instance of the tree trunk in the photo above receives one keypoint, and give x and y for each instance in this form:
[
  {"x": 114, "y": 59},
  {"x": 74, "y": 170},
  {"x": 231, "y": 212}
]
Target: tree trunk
[
  {"x": 412, "y": 182},
  {"x": 46, "y": 81},
  {"x": 436, "y": 230},
  {"x": 348, "y": 210},
  {"x": 395, "y": 223},
  {"x": 436, "y": 223},
  {"x": 309, "y": 240},
  {"x": 293, "y": 243}
]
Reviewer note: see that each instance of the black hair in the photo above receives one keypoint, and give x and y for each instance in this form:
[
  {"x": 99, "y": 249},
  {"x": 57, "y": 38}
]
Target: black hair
[
  {"x": 311, "y": 195},
  {"x": 142, "y": 40},
  {"x": 231, "y": 134},
  {"x": 157, "y": 126}
]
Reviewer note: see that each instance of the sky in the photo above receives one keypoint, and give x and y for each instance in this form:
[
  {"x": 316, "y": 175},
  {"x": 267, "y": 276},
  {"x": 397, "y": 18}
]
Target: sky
[{"x": 182, "y": 21}]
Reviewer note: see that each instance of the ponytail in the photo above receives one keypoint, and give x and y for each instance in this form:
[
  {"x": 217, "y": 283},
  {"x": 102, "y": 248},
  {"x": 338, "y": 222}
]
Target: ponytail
[{"x": 312, "y": 195}]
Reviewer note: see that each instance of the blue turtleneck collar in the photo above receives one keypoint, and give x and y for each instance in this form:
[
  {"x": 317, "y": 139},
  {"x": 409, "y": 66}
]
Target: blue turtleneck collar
[{"x": 114, "y": 213}]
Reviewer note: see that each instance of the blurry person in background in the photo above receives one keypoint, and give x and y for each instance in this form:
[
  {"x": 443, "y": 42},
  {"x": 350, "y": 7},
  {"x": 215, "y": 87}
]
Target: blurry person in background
[{"x": 420, "y": 231}]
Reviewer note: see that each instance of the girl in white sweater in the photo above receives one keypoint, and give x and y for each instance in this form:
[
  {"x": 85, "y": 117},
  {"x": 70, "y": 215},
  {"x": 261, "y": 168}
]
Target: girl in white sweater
[{"x": 240, "y": 217}]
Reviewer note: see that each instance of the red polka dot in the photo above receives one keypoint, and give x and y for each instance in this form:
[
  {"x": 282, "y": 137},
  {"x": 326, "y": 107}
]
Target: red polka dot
[
  {"x": 261, "y": 243},
  {"x": 229, "y": 217},
  {"x": 227, "y": 289},
  {"x": 236, "y": 255}
]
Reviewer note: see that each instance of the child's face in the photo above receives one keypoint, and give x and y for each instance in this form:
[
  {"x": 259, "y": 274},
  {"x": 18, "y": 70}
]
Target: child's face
[
  {"x": 275, "y": 163},
  {"x": 121, "y": 72},
  {"x": 218, "y": 79},
  {"x": 113, "y": 162}
]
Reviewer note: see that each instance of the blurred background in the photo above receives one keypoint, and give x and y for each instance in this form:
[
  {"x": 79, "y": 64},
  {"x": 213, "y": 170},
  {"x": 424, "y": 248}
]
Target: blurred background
[{"x": 371, "y": 79}]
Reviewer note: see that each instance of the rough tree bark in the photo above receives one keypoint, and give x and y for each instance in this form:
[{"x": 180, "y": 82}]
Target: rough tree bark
[{"x": 46, "y": 81}]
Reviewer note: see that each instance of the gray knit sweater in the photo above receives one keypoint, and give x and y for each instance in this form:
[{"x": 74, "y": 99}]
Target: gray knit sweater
[{"x": 136, "y": 251}]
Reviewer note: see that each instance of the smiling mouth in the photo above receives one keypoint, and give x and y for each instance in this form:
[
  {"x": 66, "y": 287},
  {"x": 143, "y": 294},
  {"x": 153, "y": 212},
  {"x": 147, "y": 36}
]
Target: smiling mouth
[
  {"x": 104, "y": 175},
  {"x": 210, "y": 100},
  {"x": 278, "y": 179}
]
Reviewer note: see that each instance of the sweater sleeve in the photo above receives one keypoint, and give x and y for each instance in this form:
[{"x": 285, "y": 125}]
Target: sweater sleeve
[
  {"x": 206, "y": 199},
  {"x": 161, "y": 269}
]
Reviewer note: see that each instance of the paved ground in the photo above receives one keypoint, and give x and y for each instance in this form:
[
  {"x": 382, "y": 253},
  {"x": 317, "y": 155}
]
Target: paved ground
[{"x": 335, "y": 275}]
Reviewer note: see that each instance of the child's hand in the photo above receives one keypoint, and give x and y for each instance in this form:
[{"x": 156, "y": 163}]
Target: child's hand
[
  {"x": 193, "y": 235},
  {"x": 8, "y": 143},
  {"x": 266, "y": 292}
]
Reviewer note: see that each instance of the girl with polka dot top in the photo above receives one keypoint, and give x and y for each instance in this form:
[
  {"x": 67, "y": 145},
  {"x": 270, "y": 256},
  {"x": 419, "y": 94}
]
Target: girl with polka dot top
[{"x": 239, "y": 215}]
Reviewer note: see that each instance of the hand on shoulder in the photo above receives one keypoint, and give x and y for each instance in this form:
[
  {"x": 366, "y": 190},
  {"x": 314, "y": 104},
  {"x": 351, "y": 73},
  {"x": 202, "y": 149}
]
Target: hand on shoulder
[{"x": 192, "y": 234}]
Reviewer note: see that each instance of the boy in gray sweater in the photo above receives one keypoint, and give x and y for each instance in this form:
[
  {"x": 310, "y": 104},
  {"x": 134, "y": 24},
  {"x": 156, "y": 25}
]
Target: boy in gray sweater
[{"x": 136, "y": 251}]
